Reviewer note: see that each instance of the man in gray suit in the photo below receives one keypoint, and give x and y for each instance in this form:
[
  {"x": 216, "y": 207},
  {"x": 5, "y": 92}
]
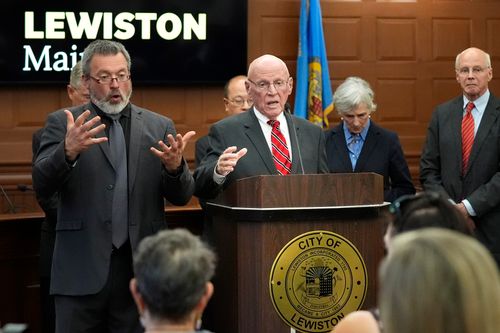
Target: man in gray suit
[
  {"x": 470, "y": 179},
  {"x": 241, "y": 145},
  {"x": 90, "y": 270}
]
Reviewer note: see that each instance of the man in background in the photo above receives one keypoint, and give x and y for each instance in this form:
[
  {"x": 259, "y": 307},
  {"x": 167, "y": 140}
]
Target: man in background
[
  {"x": 461, "y": 154},
  {"x": 236, "y": 101},
  {"x": 78, "y": 94},
  {"x": 263, "y": 141},
  {"x": 113, "y": 165}
]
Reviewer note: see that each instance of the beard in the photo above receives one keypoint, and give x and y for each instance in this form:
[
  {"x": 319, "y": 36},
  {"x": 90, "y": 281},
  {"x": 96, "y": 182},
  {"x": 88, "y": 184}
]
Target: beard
[{"x": 111, "y": 108}]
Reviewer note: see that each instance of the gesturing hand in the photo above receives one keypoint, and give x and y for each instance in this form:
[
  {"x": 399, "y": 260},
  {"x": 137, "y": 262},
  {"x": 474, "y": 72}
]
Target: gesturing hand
[
  {"x": 80, "y": 134},
  {"x": 171, "y": 154},
  {"x": 228, "y": 160}
]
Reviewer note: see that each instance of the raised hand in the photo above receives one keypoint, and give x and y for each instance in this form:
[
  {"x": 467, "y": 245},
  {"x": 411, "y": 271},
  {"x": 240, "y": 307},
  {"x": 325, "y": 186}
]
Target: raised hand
[
  {"x": 80, "y": 134},
  {"x": 228, "y": 160},
  {"x": 171, "y": 154}
]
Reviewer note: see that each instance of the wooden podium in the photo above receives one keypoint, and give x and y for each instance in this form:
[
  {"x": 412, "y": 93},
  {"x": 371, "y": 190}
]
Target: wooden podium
[{"x": 255, "y": 217}]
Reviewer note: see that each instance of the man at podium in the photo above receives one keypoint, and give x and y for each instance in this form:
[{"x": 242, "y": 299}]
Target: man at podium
[{"x": 266, "y": 140}]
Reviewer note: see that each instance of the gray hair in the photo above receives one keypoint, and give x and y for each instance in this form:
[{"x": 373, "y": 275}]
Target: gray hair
[
  {"x": 353, "y": 92},
  {"x": 437, "y": 280},
  {"x": 487, "y": 58},
  {"x": 172, "y": 269},
  {"x": 103, "y": 47},
  {"x": 75, "y": 78}
]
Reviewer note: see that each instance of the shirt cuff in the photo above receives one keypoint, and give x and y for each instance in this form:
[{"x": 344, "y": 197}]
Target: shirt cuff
[
  {"x": 468, "y": 207},
  {"x": 218, "y": 179}
]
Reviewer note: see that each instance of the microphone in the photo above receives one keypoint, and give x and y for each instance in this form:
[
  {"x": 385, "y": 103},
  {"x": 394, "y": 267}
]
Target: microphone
[
  {"x": 12, "y": 208},
  {"x": 24, "y": 187},
  {"x": 299, "y": 155}
]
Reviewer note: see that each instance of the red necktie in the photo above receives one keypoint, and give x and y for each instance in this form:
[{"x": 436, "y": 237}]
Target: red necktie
[
  {"x": 281, "y": 155},
  {"x": 467, "y": 135}
]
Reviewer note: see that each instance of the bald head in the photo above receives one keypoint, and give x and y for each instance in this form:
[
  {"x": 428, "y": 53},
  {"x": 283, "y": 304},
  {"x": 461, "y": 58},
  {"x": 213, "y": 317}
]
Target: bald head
[
  {"x": 473, "y": 72},
  {"x": 236, "y": 98},
  {"x": 269, "y": 84},
  {"x": 266, "y": 61}
]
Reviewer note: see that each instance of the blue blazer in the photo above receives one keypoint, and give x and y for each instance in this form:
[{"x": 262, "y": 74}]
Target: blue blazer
[{"x": 381, "y": 154}]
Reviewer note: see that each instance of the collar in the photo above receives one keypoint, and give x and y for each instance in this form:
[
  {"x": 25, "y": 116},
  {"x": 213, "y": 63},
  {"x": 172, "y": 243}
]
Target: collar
[
  {"x": 348, "y": 135},
  {"x": 480, "y": 103},
  {"x": 263, "y": 119},
  {"x": 124, "y": 113}
]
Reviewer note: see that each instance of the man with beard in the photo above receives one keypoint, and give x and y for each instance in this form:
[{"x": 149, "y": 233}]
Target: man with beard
[{"x": 112, "y": 164}]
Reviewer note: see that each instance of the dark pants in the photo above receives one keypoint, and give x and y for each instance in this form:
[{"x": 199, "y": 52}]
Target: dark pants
[
  {"x": 47, "y": 239},
  {"x": 110, "y": 310}
]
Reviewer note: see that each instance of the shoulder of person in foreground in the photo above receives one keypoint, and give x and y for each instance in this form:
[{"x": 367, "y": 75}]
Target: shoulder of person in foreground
[{"x": 357, "y": 322}]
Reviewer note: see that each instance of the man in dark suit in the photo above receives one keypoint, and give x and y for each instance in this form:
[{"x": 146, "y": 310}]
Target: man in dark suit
[
  {"x": 461, "y": 156},
  {"x": 242, "y": 145},
  {"x": 78, "y": 94},
  {"x": 357, "y": 144},
  {"x": 236, "y": 101},
  {"x": 92, "y": 262}
]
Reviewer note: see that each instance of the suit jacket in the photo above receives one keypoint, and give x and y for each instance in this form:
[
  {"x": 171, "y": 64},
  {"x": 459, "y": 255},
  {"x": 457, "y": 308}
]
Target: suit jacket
[
  {"x": 83, "y": 231},
  {"x": 441, "y": 165},
  {"x": 244, "y": 131},
  {"x": 201, "y": 149},
  {"x": 381, "y": 154},
  {"x": 49, "y": 206}
]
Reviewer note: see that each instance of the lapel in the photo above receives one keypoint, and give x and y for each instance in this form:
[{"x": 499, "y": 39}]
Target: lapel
[
  {"x": 489, "y": 118},
  {"x": 254, "y": 133},
  {"x": 371, "y": 141},
  {"x": 340, "y": 147},
  {"x": 455, "y": 130},
  {"x": 136, "y": 132}
]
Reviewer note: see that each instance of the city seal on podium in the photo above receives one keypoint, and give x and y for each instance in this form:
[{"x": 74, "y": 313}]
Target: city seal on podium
[{"x": 317, "y": 279}]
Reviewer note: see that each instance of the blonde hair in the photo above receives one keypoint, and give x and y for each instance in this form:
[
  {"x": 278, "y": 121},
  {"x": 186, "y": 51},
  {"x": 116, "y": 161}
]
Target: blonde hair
[{"x": 436, "y": 280}]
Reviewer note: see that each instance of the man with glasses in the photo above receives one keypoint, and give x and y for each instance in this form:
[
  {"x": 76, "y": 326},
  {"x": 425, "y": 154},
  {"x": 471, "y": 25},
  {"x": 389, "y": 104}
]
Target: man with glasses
[
  {"x": 112, "y": 164},
  {"x": 263, "y": 141},
  {"x": 236, "y": 101},
  {"x": 461, "y": 156}
]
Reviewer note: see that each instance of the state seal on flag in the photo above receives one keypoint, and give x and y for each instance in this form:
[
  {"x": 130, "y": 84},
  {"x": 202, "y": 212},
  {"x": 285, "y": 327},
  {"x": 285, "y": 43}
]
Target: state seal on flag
[{"x": 317, "y": 279}]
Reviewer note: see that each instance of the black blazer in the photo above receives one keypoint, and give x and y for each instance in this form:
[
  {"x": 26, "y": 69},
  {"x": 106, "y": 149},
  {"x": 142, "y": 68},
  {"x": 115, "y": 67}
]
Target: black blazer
[
  {"x": 243, "y": 131},
  {"x": 441, "y": 165},
  {"x": 381, "y": 154}
]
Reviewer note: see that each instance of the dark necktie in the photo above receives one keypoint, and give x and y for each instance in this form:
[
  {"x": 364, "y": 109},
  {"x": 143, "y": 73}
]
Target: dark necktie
[
  {"x": 118, "y": 148},
  {"x": 467, "y": 135},
  {"x": 281, "y": 155}
]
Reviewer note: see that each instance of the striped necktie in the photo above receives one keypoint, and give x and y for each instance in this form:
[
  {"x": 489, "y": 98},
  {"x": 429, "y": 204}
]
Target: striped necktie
[
  {"x": 467, "y": 135},
  {"x": 281, "y": 155}
]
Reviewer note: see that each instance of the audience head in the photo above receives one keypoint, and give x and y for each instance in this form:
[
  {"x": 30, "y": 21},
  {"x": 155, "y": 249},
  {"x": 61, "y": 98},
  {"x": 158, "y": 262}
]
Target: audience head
[
  {"x": 354, "y": 102},
  {"x": 473, "y": 72},
  {"x": 172, "y": 284},
  {"x": 424, "y": 209},
  {"x": 77, "y": 92},
  {"x": 106, "y": 71},
  {"x": 269, "y": 84},
  {"x": 236, "y": 98},
  {"x": 435, "y": 280}
]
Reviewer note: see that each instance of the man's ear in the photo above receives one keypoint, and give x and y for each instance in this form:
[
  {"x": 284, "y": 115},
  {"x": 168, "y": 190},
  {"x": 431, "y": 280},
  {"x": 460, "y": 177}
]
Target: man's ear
[{"x": 136, "y": 295}]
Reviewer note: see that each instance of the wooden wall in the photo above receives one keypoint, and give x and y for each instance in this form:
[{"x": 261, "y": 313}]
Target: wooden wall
[{"x": 404, "y": 48}]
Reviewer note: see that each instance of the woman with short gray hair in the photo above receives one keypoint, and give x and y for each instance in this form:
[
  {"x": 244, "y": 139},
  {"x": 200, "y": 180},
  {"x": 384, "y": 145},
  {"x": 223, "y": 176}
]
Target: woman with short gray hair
[{"x": 357, "y": 144}]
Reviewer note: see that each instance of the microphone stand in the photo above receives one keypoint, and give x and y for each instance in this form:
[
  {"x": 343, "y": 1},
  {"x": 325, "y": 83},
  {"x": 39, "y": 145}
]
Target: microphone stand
[
  {"x": 12, "y": 208},
  {"x": 287, "y": 109}
]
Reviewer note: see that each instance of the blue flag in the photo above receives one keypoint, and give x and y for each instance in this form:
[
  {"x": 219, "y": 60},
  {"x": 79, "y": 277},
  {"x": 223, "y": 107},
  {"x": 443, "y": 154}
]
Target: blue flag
[{"x": 313, "y": 97}]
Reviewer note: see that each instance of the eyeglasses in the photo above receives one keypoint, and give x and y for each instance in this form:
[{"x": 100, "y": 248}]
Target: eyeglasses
[
  {"x": 476, "y": 70},
  {"x": 239, "y": 101},
  {"x": 265, "y": 85},
  {"x": 107, "y": 79},
  {"x": 398, "y": 206}
]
